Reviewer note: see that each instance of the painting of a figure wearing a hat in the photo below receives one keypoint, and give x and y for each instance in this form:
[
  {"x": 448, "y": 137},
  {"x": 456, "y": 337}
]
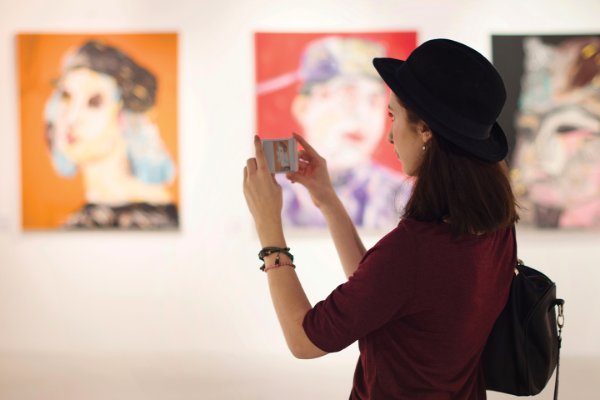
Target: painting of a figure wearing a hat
[
  {"x": 336, "y": 100},
  {"x": 100, "y": 132},
  {"x": 556, "y": 160}
]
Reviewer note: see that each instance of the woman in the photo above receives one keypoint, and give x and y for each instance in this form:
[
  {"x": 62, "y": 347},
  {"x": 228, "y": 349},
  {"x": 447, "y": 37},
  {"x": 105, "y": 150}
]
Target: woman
[
  {"x": 97, "y": 122},
  {"x": 423, "y": 300}
]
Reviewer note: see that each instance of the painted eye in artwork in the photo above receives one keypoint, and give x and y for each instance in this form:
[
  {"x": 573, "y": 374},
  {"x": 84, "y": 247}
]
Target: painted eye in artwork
[
  {"x": 95, "y": 101},
  {"x": 64, "y": 95}
]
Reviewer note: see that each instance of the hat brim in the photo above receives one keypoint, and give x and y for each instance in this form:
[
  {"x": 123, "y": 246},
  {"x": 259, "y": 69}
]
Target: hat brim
[{"x": 494, "y": 148}]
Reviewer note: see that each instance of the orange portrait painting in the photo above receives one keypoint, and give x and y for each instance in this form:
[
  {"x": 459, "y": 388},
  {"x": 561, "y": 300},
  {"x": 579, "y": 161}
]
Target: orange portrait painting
[{"x": 98, "y": 124}]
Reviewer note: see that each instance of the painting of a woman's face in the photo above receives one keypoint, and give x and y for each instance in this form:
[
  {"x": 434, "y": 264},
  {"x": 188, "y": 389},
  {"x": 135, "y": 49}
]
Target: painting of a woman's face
[
  {"x": 87, "y": 111},
  {"x": 344, "y": 118}
]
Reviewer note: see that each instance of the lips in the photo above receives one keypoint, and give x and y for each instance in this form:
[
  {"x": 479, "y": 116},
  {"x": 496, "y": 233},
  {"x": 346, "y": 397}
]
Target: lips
[
  {"x": 70, "y": 137},
  {"x": 354, "y": 136}
]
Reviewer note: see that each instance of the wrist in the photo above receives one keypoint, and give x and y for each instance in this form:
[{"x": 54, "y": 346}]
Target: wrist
[
  {"x": 328, "y": 198},
  {"x": 332, "y": 202},
  {"x": 271, "y": 236}
]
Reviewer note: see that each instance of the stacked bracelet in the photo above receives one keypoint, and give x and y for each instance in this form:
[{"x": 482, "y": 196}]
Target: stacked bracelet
[
  {"x": 267, "y": 251},
  {"x": 270, "y": 267}
]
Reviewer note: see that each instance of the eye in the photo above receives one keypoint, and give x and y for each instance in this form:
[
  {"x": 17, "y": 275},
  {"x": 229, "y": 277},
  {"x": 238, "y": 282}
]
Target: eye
[
  {"x": 95, "y": 101},
  {"x": 564, "y": 128},
  {"x": 64, "y": 95}
]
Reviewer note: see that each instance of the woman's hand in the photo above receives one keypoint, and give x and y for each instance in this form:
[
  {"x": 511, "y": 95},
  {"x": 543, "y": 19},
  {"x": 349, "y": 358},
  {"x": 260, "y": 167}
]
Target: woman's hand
[
  {"x": 312, "y": 174},
  {"x": 264, "y": 198}
]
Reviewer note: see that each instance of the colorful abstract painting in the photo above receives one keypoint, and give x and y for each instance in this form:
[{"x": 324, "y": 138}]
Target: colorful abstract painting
[
  {"x": 324, "y": 87},
  {"x": 553, "y": 119},
  {"x": 98, "y": 119}
]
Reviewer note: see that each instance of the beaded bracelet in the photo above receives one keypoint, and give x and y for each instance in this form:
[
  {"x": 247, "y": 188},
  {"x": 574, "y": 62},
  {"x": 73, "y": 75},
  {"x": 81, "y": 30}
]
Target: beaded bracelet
[
  {"x": 267, "y": 251},
  {"x": 270, "y": 267}
]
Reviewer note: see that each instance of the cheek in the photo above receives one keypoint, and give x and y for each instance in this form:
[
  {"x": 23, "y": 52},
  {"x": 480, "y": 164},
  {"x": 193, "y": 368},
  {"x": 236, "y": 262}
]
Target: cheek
[
  {"x": 404, "y": 142},
  {"x": 61, "y": 124},
  {"x": 94, "y": 121},
  {"x": 320, "y": 120},
  {"x": 63, "y": 111},
  {"x": 322, "y": 109}
]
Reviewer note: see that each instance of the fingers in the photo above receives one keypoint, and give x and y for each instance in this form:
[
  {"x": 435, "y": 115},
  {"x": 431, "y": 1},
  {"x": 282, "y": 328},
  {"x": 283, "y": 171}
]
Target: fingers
[
  {"x": 261, "y": 161},
  {"x": 305, "y": 159},
  {"x": 302, "y": 155},
  {"x": 294, "y": 177},
  {"x": 300, "y": 175},
  {"x": 251, "y": 165},
  {"x": 307, "y": 147}
]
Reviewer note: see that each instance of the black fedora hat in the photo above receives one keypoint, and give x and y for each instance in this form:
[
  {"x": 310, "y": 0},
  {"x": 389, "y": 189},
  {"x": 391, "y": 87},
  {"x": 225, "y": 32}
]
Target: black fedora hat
[{"x": 455, "y": 90}]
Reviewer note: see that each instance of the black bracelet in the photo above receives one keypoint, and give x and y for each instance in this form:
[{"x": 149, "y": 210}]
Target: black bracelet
[{"x": 267, "y": 251}]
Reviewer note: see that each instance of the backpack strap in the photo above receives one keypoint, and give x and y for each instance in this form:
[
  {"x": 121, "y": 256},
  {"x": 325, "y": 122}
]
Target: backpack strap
[
  {"x": 560, "y": 321},
  {"x": 516, "y": 254}
]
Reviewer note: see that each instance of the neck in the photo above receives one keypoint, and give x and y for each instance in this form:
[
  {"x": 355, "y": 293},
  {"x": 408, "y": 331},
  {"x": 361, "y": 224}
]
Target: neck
[
  {"x": 106, "y": 179},
  {"x": 109, "y": 181}
]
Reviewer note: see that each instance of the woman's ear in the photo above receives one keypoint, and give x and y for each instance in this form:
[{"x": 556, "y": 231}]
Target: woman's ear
[{"x": 425, "y": 132}]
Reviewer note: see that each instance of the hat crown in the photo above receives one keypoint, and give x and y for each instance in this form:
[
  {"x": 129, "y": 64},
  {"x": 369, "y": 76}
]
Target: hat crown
[
  {"x": 455, "y": 90},
  {"x": 460, "y": 78}
]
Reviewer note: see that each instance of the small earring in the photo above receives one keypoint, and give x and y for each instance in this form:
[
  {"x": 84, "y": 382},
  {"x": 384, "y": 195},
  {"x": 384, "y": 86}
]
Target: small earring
[{"x": 423, "y": 148}]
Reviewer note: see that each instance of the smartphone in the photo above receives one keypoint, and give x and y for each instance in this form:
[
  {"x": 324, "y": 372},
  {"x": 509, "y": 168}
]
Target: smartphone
[{"x": 281, "y": 154}]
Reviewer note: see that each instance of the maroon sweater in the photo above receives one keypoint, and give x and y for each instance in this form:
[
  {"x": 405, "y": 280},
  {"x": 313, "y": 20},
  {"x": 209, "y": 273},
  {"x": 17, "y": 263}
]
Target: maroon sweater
[{"x": 421, "y": 305}]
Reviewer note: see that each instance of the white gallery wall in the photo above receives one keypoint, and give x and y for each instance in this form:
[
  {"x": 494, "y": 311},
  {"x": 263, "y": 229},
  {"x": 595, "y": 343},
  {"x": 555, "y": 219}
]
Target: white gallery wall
[{"x": 199, "y": 290}]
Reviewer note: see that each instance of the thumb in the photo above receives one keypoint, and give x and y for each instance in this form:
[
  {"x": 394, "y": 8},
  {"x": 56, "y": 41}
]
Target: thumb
[{"x": 307, "y": 147}]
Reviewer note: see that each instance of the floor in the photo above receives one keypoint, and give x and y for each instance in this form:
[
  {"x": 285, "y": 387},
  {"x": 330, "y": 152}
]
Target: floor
[{"x": 222, "y": 376}]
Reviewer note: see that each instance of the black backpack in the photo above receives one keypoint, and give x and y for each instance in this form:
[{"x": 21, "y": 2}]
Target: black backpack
[{"x": 523, "y": 348}]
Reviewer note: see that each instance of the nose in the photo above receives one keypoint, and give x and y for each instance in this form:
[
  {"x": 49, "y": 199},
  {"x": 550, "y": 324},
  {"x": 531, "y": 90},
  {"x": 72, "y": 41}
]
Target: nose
[{"x": 72, "y": 112}]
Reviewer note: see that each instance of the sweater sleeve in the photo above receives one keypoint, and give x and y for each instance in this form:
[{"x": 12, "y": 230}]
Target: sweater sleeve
[{"x": 381, "y": 289}]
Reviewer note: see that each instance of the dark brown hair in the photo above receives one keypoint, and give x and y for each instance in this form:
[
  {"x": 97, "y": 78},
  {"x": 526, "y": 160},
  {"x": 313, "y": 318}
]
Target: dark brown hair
[
  {"x": 138, "y": 85},
  {"x": 473, "y": 195}
]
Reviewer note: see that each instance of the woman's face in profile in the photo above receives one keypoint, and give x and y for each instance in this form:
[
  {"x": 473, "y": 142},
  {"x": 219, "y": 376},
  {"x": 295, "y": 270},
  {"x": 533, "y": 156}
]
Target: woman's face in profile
[{"x": 86, "y": 122}]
